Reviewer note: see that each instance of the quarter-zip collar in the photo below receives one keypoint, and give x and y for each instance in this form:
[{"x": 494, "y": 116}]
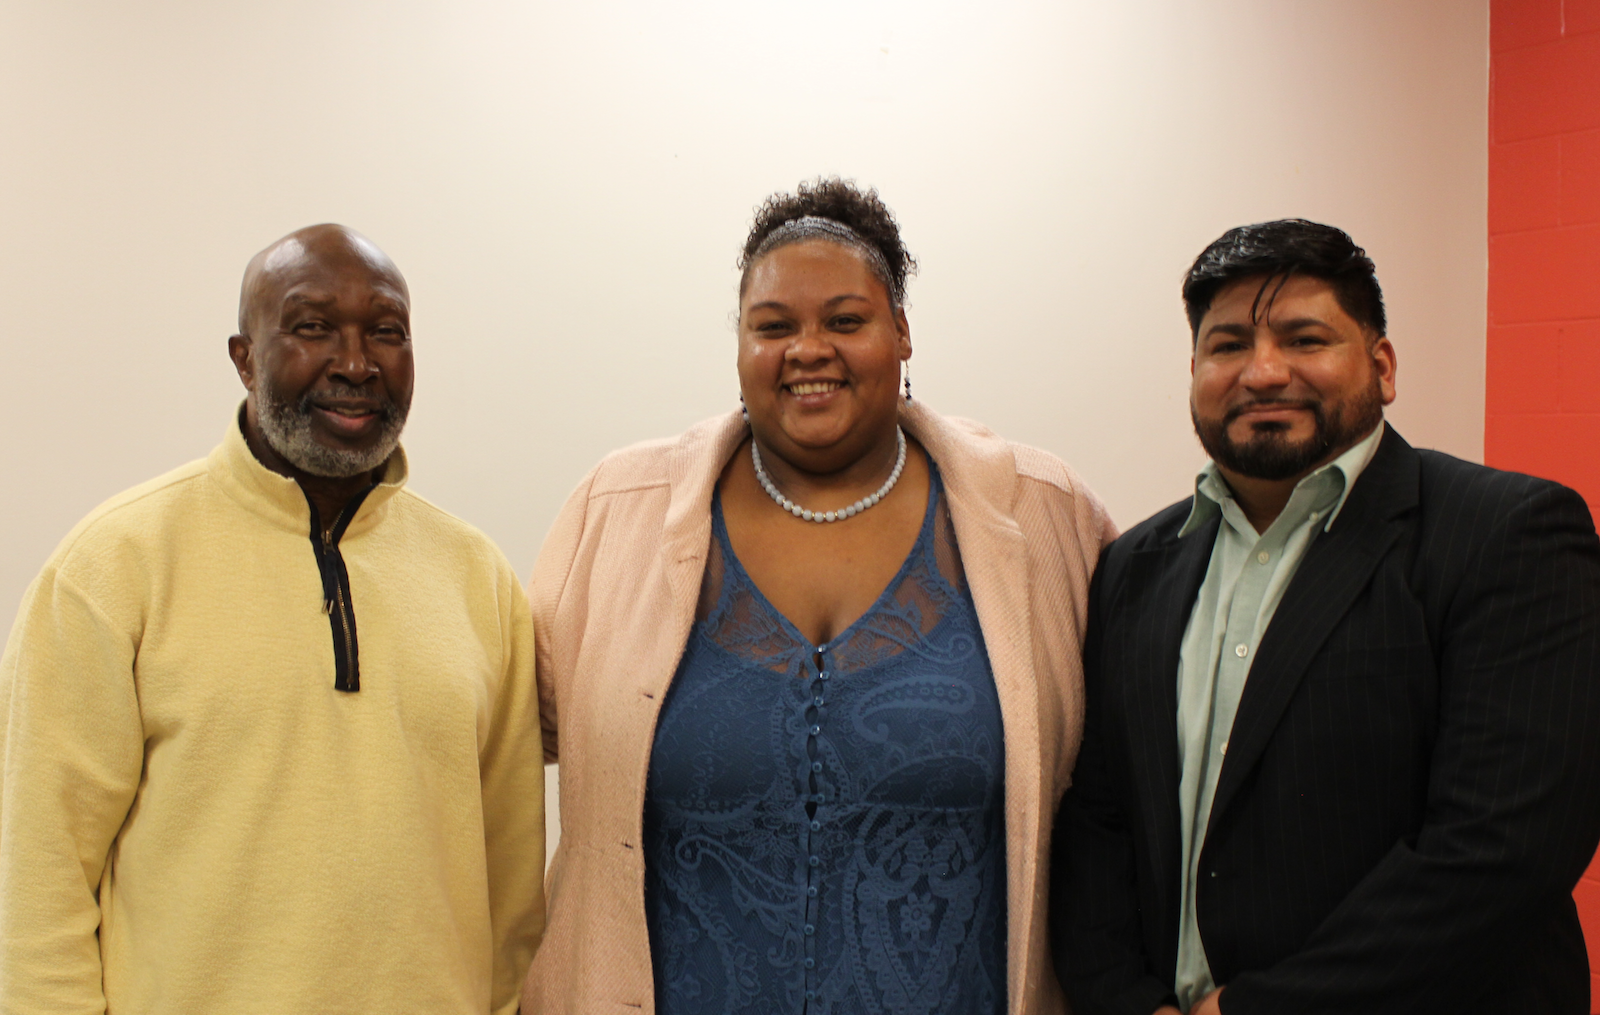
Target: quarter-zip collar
[
  {"x": 279, "y": 499},
  {"x": 338, "y": 599},
  {"x": 282, "y": 502}
]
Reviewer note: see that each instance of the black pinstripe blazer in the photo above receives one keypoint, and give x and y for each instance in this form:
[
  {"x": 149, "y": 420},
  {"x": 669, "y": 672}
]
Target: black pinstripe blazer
[{"x": 1412, "y": 785}]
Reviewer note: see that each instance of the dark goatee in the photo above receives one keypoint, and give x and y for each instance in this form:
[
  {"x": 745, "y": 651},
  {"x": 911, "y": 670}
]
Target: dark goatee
[{"x": 1269, "y": 453}]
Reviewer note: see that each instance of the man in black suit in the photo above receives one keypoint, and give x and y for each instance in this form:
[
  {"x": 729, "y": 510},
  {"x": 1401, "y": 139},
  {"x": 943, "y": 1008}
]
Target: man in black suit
[{"x": 1342, "y": 751}]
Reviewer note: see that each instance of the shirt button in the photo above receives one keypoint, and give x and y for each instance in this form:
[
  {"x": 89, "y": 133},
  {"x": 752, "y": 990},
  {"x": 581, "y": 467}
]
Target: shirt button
[
  {"x": 816, "y": 826},
  {"x": 1224, "y": 748},
  {"x": 1241, "y": 650},
  {"x": 811, "y": 963},
  {"x": 1315, "y": 515},
  {"x": 815, "y": 730},
  {"x": 1263, "y": 556},
  {"x": 824, "y": 675},
  {"x": 810, "y": 930},
  {"x": 811, "y": 995},
  {"x": 817, "y": 701},
  {"x": 816, "y": 766},
  {"x": 814, "y": 861},
  {"x": 811, "y": 893}
]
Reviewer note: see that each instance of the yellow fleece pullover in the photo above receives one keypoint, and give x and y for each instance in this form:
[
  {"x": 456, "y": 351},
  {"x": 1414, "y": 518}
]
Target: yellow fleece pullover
[{"x": 194, "y": 820}]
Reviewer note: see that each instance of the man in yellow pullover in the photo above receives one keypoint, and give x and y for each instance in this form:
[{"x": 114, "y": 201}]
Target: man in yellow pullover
[{"x": 270, "y": 740}]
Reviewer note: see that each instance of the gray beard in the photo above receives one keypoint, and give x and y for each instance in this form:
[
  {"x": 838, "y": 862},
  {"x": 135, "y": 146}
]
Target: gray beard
[{"x": 287, "y": 429}]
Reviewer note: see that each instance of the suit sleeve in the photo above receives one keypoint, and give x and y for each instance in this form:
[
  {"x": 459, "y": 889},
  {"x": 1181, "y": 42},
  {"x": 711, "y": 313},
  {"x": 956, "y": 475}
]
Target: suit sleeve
[
  {"x": 1096, "y": 937},
  {"x": 511, "y": 770},
  {"x": 71, "y": 754},
  {"x": 545, "y": 590},
  {"x": 1515, "y": 773}
]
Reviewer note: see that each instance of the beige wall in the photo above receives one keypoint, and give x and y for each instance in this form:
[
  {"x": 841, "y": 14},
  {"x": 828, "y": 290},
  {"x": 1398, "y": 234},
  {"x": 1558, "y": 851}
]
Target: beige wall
[{"x": 566, "y": 186}]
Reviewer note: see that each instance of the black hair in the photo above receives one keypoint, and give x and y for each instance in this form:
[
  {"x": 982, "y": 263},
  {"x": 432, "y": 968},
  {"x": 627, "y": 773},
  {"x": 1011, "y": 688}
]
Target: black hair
[
  {"x": 868, "y": 222},
  {"x": 1279, "y": 250}
]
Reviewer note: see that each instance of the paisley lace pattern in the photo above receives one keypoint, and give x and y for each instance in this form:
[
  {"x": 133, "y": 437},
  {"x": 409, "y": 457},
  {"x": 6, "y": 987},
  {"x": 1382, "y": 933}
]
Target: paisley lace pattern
[{"x": 824, "y": 824}]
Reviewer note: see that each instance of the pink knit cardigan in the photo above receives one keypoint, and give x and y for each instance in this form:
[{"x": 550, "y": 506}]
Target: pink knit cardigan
[{"x": 614, "y": 594}]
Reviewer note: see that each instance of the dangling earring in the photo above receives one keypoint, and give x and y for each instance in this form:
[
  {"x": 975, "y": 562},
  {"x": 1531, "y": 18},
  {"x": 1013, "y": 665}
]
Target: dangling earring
[
  {"x": 746, "y": 412},
  {"x": 907, "y": 366}
]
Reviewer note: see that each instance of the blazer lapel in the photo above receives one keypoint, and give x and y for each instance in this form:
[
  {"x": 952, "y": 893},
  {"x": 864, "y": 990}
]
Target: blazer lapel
[
  {"x": 1162, "y": 584},
  {"x": 1336, "y": 569}
]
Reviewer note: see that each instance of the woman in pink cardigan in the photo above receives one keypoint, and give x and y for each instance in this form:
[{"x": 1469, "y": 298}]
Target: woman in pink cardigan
[{"x": 812, "y": 675}]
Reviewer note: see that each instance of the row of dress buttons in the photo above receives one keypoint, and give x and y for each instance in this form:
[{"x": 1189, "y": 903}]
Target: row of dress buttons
[
  {"x": 1243, "y": 650},
  {"x": 813, "y": 860}
]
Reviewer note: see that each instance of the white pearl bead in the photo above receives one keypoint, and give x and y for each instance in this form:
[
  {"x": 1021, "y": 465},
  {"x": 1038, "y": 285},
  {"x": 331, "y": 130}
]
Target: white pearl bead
[{"x": 839, "y": 513}]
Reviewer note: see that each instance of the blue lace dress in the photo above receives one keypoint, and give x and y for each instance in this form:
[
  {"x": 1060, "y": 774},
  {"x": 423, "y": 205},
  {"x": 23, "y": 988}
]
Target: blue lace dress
[{"x": 824, "y": 825}]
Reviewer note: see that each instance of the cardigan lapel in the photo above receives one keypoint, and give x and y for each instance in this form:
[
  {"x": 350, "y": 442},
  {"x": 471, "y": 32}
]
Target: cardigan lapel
[
  {"x": 697, "y": 460},
  {"x": 980, "y": 478},
  {"x": 1336, "y": 569},
  {"x": 980, "y": 475}
]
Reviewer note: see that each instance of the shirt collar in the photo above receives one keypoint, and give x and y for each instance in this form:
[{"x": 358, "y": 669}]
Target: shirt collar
[
  {"x": 1210, "y": 489},
  {"x": 279, "y": 498}
]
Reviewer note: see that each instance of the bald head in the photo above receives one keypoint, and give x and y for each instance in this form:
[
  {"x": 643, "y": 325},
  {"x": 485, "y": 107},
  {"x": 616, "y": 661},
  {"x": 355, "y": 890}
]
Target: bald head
[
  {"x": 310, "y": 251},
  {"x": 324, "y": 354}
]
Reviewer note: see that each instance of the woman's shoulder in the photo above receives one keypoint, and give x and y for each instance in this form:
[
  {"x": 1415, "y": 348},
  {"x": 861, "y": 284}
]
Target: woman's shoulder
[
  {"x": 966, "y": 443},
  {"x": 636, "y": 465},
  {"x": 1028, "y": 483},
  {"x": 664, "y": 461}
]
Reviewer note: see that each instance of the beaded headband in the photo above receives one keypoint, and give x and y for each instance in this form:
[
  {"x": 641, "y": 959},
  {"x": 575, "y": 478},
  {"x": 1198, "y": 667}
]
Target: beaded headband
[{"x": 815, "y": 226}]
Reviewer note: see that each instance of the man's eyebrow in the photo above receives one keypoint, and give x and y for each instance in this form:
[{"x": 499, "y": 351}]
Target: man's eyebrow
[
  {"x": 1235, "y": 330},
  {"x": 385, "y": 304},
  {"x": 1296, "y": 323}
]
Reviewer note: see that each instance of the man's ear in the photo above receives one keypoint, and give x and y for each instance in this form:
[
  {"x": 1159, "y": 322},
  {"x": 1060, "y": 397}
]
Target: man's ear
[
  {"x": 241, "y": 351},
  {"x": 1386, "y": 364}
]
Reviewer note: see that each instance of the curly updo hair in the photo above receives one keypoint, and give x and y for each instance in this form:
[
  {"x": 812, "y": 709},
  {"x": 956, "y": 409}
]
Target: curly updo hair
[{"x": 837, "y": 210}]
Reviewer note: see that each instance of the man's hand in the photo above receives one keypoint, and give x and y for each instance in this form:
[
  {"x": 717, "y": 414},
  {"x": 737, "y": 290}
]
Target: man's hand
[
  {"x": 1167, "y": 1009},
  {"x": 1209, "y": 1005}
]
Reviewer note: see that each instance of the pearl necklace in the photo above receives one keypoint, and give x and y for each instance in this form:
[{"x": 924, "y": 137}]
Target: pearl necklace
[{"x": 843, "y": 513}]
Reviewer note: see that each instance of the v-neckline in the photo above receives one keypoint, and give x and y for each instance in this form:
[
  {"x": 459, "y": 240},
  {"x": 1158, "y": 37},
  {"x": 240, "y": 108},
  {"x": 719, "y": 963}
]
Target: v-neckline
[{"x": 719, "y": 527}]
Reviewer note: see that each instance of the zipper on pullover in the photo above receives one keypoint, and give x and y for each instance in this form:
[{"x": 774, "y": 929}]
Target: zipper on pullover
[{"x": 336, "y": 599}]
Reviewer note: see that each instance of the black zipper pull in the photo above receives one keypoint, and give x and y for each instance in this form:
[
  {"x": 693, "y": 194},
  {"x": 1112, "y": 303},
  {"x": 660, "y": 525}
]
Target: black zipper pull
[
  {"x": 336, "y": 599},
  {"x": 327, "y": 545}
]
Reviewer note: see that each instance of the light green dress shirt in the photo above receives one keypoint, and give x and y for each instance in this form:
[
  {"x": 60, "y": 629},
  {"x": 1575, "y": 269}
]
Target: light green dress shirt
[{"x": 1243, "y": 586}]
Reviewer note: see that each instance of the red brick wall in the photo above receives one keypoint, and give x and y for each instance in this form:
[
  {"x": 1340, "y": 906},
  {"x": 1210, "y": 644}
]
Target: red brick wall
[{"x": 1543, "y": 383}]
